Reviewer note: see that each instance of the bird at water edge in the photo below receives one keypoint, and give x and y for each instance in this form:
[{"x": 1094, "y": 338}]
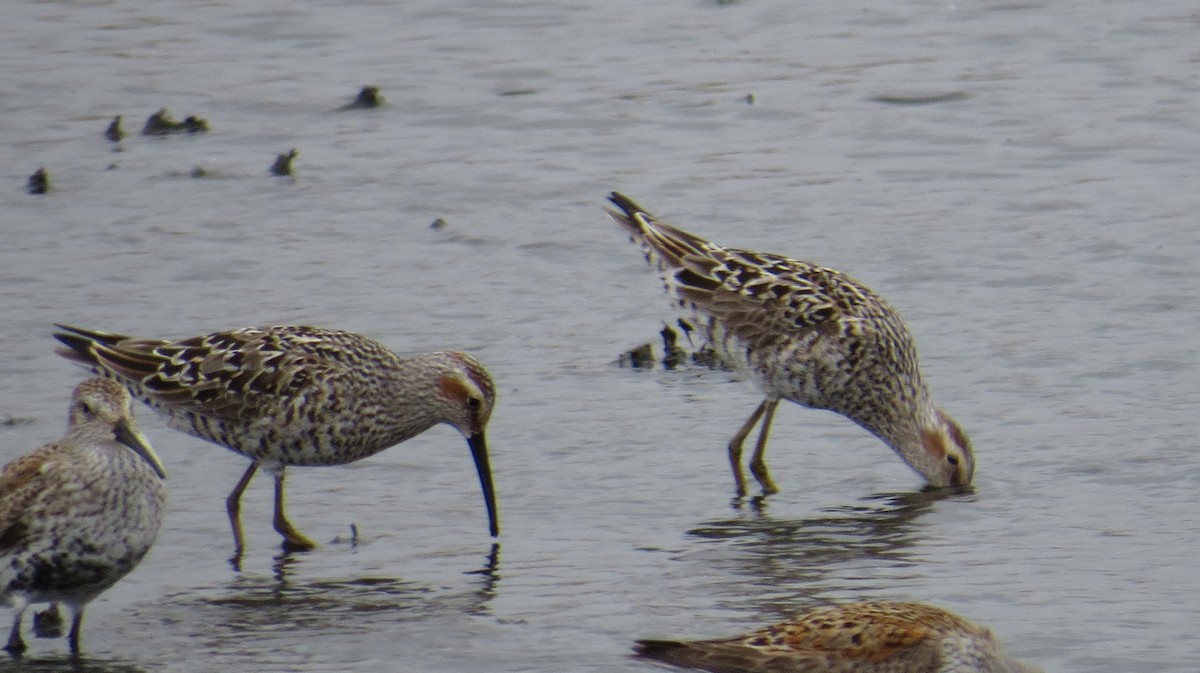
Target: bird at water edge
[
  {"x": 294, "y": 395},
  {"x": 868, "y": 637},
  {"x": 78, "y": 514},
  {"x": 807, "y": 334}
]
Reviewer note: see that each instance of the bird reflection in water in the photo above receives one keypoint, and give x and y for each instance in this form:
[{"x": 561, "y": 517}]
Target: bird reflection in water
[
  {"x": 793, "y": 555},
  {"x": 289, "y": 601},
  {"x": 83, "y": 663}
]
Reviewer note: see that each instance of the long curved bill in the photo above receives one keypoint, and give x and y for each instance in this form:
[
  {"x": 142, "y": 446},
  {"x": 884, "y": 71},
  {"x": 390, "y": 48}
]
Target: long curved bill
[
  {"x": 128, "y": 434},
  {"x": 478, "y": 444}
]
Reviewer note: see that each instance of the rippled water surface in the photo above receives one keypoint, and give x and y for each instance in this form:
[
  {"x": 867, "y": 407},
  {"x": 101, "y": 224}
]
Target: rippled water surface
[{"x": 1018, "y": 178}]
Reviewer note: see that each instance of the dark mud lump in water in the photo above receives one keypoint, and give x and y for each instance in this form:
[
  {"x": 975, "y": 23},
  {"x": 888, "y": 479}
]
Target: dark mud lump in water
[
  {"x": 194, "y": 124},
  {"x": 641, "y": 357},
  {"x": 368, "y": 98},
  {"x": 114, "y": 132},
  {"x": 283, "y": 163},
  {"x": 39, "y": 182},
  {"x": 161, "y": 124}
]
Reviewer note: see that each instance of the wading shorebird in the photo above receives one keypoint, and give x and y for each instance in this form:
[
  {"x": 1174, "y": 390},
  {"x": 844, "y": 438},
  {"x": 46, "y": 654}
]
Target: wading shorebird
[
  {"x": 289, "y": 395},
  {"x": 78, "y": 514},
  {"x": 852, "y": 638},
  {"x": 807, "y": 334}
]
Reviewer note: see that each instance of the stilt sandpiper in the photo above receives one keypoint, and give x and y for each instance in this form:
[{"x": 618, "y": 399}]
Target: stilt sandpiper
[
  {"x": 288, "y": 395},
  {"x": 807, "y": 334},
  {"x": 78, "y": 514},
  {"x": 852, "y": 638}
]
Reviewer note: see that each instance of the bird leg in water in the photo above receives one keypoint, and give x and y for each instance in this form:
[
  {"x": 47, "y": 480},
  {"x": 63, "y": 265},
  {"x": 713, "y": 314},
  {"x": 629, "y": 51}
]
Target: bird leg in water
[
  {"x": 16, "y": 644},
  {"x": 293, "y": 540},
  {"x": 735, "y": 448},
  {"x": 758, "y": 466},
  {"x": 76, "y": 627},
  {"x": 233, "y": 505}
]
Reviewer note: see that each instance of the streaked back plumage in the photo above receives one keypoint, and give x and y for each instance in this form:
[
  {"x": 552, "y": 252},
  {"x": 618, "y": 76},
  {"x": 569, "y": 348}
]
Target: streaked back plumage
[{"x": 295, "y": 395}]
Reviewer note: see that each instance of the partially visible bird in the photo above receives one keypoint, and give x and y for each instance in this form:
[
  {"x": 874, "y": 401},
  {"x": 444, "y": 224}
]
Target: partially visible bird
[
  {"x": 872, "y": 637},
  {"x": 291, "y": 395},
  {"x": 807, "y": 334},
  {"x": 79, "y": 514}
]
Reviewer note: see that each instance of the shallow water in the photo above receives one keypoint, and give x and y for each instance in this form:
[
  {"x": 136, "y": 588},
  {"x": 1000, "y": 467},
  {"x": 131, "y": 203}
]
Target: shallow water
[{"x": 1034, "y": 220}]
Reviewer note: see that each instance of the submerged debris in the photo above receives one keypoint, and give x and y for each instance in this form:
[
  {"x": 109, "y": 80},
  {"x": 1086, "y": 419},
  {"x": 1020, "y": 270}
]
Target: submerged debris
[
  {"x": 283, "y": 163},
  {"x": 194, "y": 124},
  {"x": 39, "y": 182},
  {"x": 161, "y": 124},
  {"x": 641, "y": 357},
  {"x": 353, "y": 539},
  {"x": 708, "y": 358},
  {"x": 48, "y": 623},
  {"x": 14, "y": 421},
  {"x": 674, "y": 353},
  {"x": 920, "y": 98},
  {"x": 703, "y": 354},
  {"x": 114, "y": 132},
  {"x": 368, "y": 98},
  {"x": 439, "y": 223}
]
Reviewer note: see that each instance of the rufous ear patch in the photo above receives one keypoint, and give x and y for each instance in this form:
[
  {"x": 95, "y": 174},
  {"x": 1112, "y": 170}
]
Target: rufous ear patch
[
  {"x": 934, "y": 442},
  {"x": 452, "y": 388}
]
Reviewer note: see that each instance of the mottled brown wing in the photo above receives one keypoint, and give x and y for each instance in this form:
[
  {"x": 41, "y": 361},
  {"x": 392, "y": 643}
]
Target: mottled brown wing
[
  {"x": 761, "y": 298},
  {"x": 757, "y": 297},
  {"x": 847, "y": 636},
  {"x": 21, "y": 482},
  {"x": 209, "y": 375}
]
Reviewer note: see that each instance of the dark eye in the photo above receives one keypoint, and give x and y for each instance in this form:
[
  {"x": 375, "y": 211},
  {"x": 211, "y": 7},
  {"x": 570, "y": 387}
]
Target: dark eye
[
  {"x": 953, "y": 460},
  {"x": 474, "y": 402}
]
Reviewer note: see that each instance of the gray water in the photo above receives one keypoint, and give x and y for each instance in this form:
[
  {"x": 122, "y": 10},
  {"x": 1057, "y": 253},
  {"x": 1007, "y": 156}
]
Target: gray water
[{"x": 1034, "y": 220}]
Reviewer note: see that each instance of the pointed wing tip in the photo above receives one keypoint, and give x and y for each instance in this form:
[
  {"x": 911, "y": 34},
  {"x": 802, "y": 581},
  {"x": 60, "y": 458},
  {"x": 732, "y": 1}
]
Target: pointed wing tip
[
  {"x": 78, "y": 347},
  {"x": 625, "y": 203},
  {"x": 632, "y": 217},
  {"x": 80, "y": 334}
]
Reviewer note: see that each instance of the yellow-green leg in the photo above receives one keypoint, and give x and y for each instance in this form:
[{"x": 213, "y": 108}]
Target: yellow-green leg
[
  {"x": 758, "y": 466},
  {"x": 293, "y": 540},
  {"x": 735, "y": 447},
  {"x": 233, "y": 505}
]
